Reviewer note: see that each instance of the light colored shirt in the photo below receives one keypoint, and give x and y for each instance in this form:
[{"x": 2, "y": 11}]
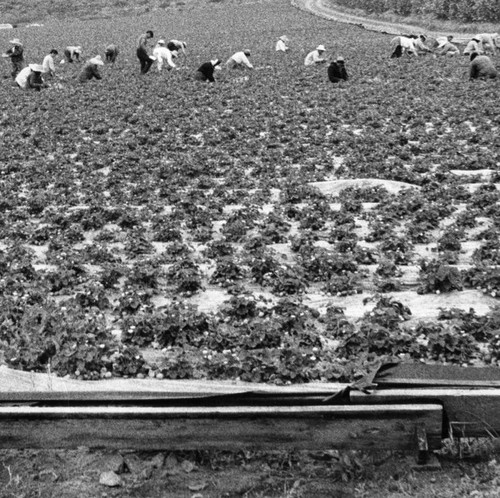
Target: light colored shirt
[
  {"x": 48, "y": 65},
  {"x": 313, "y": 58},
  {"x": 489, "y": 40},
  {"x": 240, "y": 58},
  {"x": 448, "y": 48},
  {"x": 162, "y": 55},
  {"x": 473, "y": 46},
  {"x": 142, "y": 41},
  {"x": 441, "y": 40},
  {"x": 281, "y": 46},
  {"x": 22, "y": 77}
]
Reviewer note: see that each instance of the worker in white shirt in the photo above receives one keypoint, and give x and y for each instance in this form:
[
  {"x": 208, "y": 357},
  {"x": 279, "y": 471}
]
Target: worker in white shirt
[
  {"x": 239, "y": 60},
  {"x": 73, "y": 53},
  {"x": 30, "y": 78},
  {"x": 315, "y": 57},
  {"x": 489, "y": 42},
  {"x": 420, "y": 45},
  {"x": 163, "y": 54},
  {"x": 48, "y": 66},
  {"x": 473, "y": 47},
  {"x": 448, "y": 49},
  {"x": 281, "y": 44},
  {"x": 403, "y": 44}
]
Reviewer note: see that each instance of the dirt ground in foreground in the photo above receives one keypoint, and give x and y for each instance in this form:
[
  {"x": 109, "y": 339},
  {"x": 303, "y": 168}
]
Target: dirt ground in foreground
[{"x": 85, "y": 473}]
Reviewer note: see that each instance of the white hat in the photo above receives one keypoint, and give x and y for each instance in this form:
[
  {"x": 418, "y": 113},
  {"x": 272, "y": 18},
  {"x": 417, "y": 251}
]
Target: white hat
[
  {"x": 161, "y": 42},
  {"x": 78, "y": 49},
  {"x": 16, "y": 41},
  {"x": 284, "y": 38},
  {"x": 340, "y": 59},
  {"x": 37, "y": 68},
  {"x": 321, "y": 47},
  {"x": 174, "y": 53},
  {"x": 96, "y": 60}
]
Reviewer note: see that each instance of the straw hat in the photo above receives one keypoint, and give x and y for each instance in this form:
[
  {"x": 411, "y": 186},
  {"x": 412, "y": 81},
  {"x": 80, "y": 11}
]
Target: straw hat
[
  {"x": 36, "y": 68},
  {"x": 161, "y": 42},
  {"x": 16, "y": 41},
  {"x": 97, "y": 60},
  {"x": 321, "y": 48}
]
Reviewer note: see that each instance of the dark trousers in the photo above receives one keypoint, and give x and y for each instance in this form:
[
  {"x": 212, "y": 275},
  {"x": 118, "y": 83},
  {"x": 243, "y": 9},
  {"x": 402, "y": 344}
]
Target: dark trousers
[
  {"x": 17, "y": 67},
  {"x": 144, "y": 59},
  {"x": 398, "y": 52}
]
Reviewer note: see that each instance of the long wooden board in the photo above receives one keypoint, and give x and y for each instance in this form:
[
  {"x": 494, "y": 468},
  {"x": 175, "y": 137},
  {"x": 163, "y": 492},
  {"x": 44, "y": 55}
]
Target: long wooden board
[{"x": 229, "y": 428}]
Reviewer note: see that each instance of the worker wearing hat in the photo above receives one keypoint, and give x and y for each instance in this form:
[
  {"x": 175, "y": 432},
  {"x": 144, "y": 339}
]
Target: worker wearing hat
[
  {"x": 239, "y": 60},
  {"x": 337, "y": 71},
  {"x": 72, "y": 53},
  {"x": 91, "y": 70},
  {"x": 179, "y": 47},
  {"x": 281, "y": 44},
  {"x": 163, "y": 54},
  {"x": 206, "y": 71},
  {"x": 16, "y": 55},
  {"x": 30, "y": 78},
  {"x": 315, "y": 57},
  {"x": 473, "y": 47}
]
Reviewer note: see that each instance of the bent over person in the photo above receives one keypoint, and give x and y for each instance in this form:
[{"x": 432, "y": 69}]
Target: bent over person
[
  {"x": 481, "y": 67},
  {"x": 239, "y": 60},
  {"x": 142, "y": 51},
  {"x": 30, "y": 78},
  {"x": 111, "y": 53},
  {"x": 91, "y": 70},
  {"x": 337, "y": 71},
  {"x": 16, "y": 55},
  {"x": 206, "y": 71},
  {"x": 72, "y": 54},
  {"x": 163, "y": 54}
]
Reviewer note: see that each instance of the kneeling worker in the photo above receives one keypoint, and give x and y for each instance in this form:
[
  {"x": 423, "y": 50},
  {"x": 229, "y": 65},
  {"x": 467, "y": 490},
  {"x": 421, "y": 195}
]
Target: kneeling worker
[
  {"x": 239, "y": 60},
  {"x": 206, "y": 71},
  {"x": 337, "y": 71},
  {"x": 91, "y": 70},
  {"x": 30, "y": 78}
]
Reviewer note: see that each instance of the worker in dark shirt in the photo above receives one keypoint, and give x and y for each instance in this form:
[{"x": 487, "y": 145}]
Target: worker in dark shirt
[
  {"x": 481, "y": 67},
  {"x": 206, "y": 71},
  {"x": 91, "y": 70},
  {"x": 142, "y": 52},
  {"x": 111, "y": 53},
  {"x": 337, "y": 71},
  {"x": 16, "y": 54}
]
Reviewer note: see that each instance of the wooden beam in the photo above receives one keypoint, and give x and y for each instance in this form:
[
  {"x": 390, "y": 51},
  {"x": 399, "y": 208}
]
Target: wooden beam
[{"x": 159, "y": 428}]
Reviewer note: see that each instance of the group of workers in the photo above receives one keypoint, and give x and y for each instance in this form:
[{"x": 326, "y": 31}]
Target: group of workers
[
  {"x": 36, "y": 76},
  {"x": 481, "y": 66}
]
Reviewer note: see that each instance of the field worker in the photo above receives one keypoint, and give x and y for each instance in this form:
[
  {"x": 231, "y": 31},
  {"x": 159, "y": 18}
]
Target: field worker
[
  {"x": 315, "y": 57},
  {"x": 281, "y": 44},
  {"x": 419, "y": 44},
  {"x": 488, "y": 41},
  {"x": 163, "y": 54},
  {"x": 16, "y": 55},
  {"x": 448, "y": 49},
  {"x": 30, "y": 78},
  {"x": 239, "y": 60},
  {"x": 473, "y": 47},
  {"x": 337, "y": 71},
  {"x": 142, "y": 51},
  {"x": 206, "y": 71},
  {"x": 481, "y": 67},
  {"x": 48, "y": 66},
  {"x": 177, "y": 46},
  {"x": 91, "y": 70},
  {"x": 72, "y": 54},
  {"x": 111, "y": 53},
  {"x": 403, "y": 44}
]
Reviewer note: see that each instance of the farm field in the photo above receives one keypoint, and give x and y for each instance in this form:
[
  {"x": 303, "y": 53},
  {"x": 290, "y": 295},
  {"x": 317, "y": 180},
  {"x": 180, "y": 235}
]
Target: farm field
[{"x": 269, "y": 228}]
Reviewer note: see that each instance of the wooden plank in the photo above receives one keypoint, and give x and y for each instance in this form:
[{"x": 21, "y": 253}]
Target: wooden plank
[
  {"x": 473, "y": 412},
  {"x": 157, "y": 428}
]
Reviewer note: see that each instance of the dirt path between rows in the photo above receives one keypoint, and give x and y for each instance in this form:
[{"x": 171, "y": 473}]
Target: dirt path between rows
[{"x": 318, "y": 8}]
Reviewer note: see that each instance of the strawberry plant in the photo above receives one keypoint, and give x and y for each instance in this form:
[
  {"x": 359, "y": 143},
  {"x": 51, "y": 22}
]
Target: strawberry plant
[{"x": 438, "y": 277}]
